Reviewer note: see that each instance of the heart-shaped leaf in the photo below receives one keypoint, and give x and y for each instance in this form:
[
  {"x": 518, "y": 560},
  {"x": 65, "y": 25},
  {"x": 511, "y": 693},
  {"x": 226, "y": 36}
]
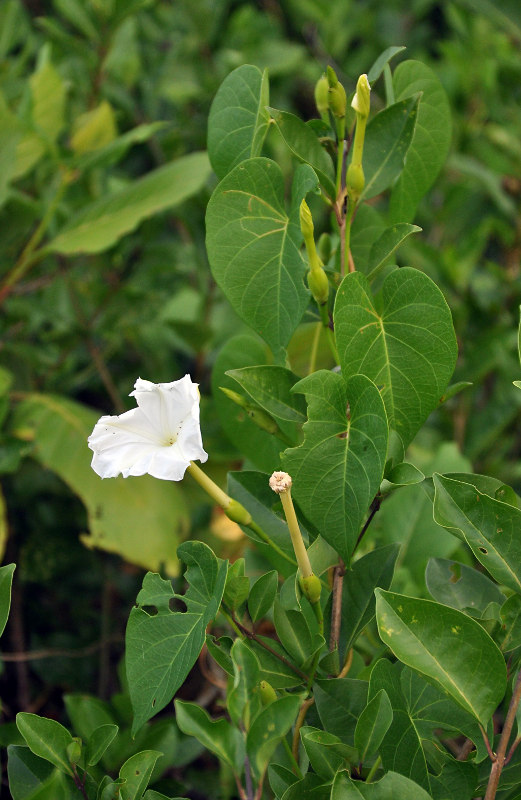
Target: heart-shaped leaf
[
  {"x": 238, "y": 120},
  {"x": 253, "y": 247},
  {"x": 338, "y": 469},
  {"x": 403, "y": 340}
]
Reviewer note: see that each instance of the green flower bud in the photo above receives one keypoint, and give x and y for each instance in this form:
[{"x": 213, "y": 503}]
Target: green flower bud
[
  {"x": 324, "y": 247},
  {"x": 267, "y": 693},
  {"x": 237, "y": 398},
  {"x": 237, "y": 513},
  {"x": 318, "y": 285},
  {"x": 74, "y": 750},
  {"x": 338, "y": 101},
  {"x": 361, "y": 101},
  {"x": 311, "y": 588},
  {"x": 355, "y": 180},
  {"x": 262, "y": 419},
  {"x": 322, "y": 95},
  {"x": 306, "y": 220},
  {"x": 331, "y": 77}
]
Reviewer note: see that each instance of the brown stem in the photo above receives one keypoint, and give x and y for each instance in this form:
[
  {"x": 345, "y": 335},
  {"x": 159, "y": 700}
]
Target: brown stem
[
  {"x": 251, "y": 635},
  {"x": 36, "y": 655},
  {"x": 466, "y": 750},
  {"x": 298, "y": 725},
  {"x": 347, "y": 666},
  {"x": 497, "y": 766},
  {"x": 375, "y": 505},
  {"x": 336, "y": 608},
  {"x": 512, "y": 750}
]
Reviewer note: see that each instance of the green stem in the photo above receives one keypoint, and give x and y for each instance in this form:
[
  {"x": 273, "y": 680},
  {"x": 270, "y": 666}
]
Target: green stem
[
  {"x": 28, "y": 256},
  {"x": 372, "y": 772},
  {"x": 324, "y": 316},
  {"x": 233, "y": 509},
  {"x": 294, "y": 763},
  {"x": 340, "y": 135},
  {"x": 347, "y": 233}
]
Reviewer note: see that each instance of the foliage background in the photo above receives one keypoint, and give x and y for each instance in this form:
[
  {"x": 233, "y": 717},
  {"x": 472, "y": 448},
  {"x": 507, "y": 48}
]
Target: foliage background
[{"x": 85, "y": 326}]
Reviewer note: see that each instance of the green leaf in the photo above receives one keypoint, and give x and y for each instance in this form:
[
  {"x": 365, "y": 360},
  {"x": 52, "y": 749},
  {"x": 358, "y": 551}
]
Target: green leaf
[
  {"x": 383, "y": 59},
  {"x": 87, "y": 714},
  {"x": 405, "y": 474},
  {"x": 119, "y": 510},
  {"x": 46, "y": 738},
  {"x": 368, "y": 225},
  {"x": 403, "y": 340},
  {"x": 218, "y": 736},
  {"x": 510, "y": 636},
  {"x": 254, "y": 247},
  {"x": 251, "y": 442},
  {"x": 387, "y": 141},
  {"x": 430, "y": 144},
  {"x": 237, "y": 585},
  {"x": 372, "y": 725},
  {"x": 273, "y": 670},
  {"x": 385, "y": 246},
  {"x": 294, "y": 634},
  {"x": 448, "y": 647},
  {"x": 311, "y": 787},
  {"x": 243, "y": 698},
  {"x": 48, "y": 98},
  {"x": 113, "y": 151},
  {"x": 6, "y": 581},
  {"x": 326, "y": 753},
  {"x": 98, "y": 742},
  {"x": 305, "y": 146},
  {"x": 268, "y": 728},
  {"x": 340, "y": 701},
  {"x": 491, "y": 528},
  {"x": 25, "y": 771},
  {"x": 406, "y": 517},
  {"x": 339, "y": 468},
  {"x": 373, "y": 570},
  {"x": 102, "y": 223},
  {"x": 459, "y": 586},
  {"x": 391, "y": 787},
  {"x": 162, "y": 648},
  {"x": 136, "y": 773},
  {"x": 262, "y": 595},
  {"x": 271, "y": 388},
  {"x": 238, "y": 120}
]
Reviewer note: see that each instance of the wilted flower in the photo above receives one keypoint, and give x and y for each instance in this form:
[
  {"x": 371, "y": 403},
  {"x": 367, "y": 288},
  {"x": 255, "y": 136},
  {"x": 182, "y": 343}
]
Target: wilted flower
[{"x": 159, "y": 437}]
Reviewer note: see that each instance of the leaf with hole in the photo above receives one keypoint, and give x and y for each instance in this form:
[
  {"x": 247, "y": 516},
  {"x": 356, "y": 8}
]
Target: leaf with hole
[
  {"x": 163, "y": 647},
  {"x": 490, "y": 527}
]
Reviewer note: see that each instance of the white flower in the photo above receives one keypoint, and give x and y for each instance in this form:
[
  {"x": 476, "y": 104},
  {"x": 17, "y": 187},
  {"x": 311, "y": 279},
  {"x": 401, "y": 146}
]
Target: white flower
[{"x": 159, "y": 437}]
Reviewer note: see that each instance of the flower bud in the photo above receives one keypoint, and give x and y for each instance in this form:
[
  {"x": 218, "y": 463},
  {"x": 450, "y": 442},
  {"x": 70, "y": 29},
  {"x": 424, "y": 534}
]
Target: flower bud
[
  {"x": 311, "y": 588},
  {"x": 318, "y": 285},
  {"x": 322, "y": 95},
  {"x": 355, "y": 180},
  {"x": 361, "y": 101},
  {"x": 306, "y": 220},
  {"x": 237, "y": 398},
  {"x": 74, "y": 750},
  {"x": 267, "y": 693},
  {"x": 337, "y": 94}
]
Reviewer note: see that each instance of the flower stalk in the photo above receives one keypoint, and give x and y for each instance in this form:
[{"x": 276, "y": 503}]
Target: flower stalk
[{"x": 280, "y": 483}]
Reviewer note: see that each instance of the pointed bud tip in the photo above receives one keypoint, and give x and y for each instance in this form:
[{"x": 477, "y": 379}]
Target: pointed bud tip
[
  {"x": 361, "y": 100},
  {"x": 280, "y": 482}
]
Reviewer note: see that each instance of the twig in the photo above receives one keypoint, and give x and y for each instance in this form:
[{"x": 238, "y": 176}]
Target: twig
[
  {"x": 497, "y": 766},
  {"x": 336, "y": 608},
  {"x": 252, "y": 635},
  {"x": 466, "y": 750},
  {"x": 347, "y": 666},
  {"x": 247, "y": 775},
  {"x": 298, "y": 725},
  {"x": 375, "y": 505},
  {"x": 490, "y": 752}
]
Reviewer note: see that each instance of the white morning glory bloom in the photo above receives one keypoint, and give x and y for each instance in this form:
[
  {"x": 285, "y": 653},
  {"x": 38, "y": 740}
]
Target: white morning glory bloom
[{"x": 159, "y": 437}]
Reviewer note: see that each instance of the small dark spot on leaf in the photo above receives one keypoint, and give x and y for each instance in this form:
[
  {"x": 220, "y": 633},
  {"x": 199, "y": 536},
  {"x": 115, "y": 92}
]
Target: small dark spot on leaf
[
  {"x": 456, "y": 573},
  {"x": 483, "y": 550},
  {"x": 137, "y": 772},
  {"x": 342, "y": 435},
  {"x": 153, "y": 702}
]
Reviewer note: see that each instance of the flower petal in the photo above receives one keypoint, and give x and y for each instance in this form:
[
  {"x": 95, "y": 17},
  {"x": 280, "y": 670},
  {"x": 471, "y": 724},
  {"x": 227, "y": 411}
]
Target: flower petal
[{"x": 167, "y": 404}]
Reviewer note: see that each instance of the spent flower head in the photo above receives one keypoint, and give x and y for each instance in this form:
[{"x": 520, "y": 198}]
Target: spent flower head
[{"x": 159, "y": 437}]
